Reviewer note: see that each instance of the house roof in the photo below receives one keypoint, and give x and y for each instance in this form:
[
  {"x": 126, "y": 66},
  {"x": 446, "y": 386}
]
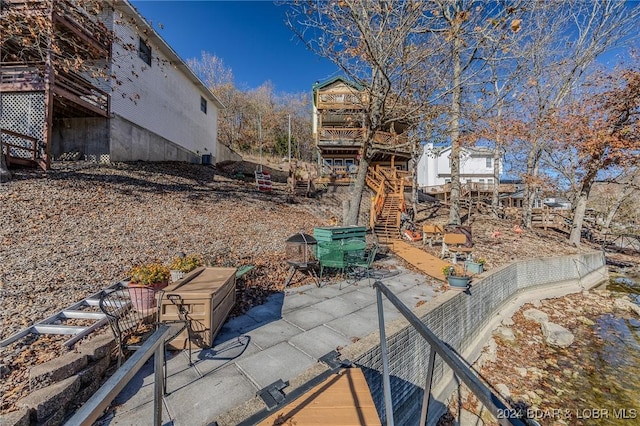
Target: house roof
[
  {"x": 174, "y": 59},
  {"x": 480, "y": 151},
  {"x": 332, "y": 80},
  {"x": 321, "y": 85}
]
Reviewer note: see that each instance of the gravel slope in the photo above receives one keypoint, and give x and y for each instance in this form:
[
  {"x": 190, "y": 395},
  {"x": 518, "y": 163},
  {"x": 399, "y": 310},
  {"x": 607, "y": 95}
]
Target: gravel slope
[{"x": 73, "y": 231}]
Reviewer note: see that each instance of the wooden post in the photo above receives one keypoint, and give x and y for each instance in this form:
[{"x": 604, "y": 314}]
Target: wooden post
[{"x": 48, "y": 99}]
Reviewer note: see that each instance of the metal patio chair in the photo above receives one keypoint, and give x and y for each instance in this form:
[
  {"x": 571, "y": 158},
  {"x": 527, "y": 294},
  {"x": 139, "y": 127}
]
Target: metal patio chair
[
  {"x": 330, "y": 256},
  {"x": 131, "y": 326},
  {"x": 359, "y": 265}
]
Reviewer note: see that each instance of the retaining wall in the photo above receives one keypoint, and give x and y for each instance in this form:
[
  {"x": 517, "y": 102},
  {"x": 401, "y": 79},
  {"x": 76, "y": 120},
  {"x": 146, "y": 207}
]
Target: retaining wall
[
  {"x": 58, "y": 387},
  {"x": 130, "y": 142},
  {"x": 465, "y": 321}
]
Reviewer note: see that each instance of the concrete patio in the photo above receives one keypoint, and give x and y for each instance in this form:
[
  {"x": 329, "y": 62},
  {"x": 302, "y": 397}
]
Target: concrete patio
[{"x": 278, "y": 340}]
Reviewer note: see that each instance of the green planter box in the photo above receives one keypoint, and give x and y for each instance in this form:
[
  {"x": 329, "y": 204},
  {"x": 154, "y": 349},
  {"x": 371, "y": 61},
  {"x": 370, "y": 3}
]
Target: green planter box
[
  {"x": 474, "y": 268},
  {"x": 336, "y": 233}
]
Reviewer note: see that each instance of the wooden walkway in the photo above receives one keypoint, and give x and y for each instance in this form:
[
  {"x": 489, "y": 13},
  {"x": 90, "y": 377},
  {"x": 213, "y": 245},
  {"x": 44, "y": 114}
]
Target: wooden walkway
[
  {"x": 422, "y": 260},
  {"x": 343, "y": 399}
]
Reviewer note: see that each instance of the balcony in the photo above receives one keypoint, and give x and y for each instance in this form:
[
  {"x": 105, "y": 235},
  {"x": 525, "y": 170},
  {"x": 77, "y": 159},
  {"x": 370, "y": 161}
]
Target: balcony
[
  {"x": 18, "y": 77},
  {"x": 355, "y": 136},
  {"x": 338, "y": 100},
  {"x": 82, "y": 92},
  {"x": 82, "y": 26},
  {"x": 341, "y": 136}
]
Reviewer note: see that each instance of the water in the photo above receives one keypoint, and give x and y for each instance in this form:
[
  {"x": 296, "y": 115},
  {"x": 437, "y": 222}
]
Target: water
[{"x": 608, "y": 393}]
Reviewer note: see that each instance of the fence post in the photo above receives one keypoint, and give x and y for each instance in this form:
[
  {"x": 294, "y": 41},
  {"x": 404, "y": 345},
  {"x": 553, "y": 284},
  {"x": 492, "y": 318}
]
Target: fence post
[
  {"x": 158, "y": 386},
  {"x": 385, "y": 361}
]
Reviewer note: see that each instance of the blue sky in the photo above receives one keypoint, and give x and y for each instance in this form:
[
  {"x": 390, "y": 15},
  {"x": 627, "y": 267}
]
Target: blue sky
[{"x": 249, "y": 36}]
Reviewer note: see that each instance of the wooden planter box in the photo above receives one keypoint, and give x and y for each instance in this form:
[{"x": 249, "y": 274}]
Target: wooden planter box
[{"x": 209, "y": 294}]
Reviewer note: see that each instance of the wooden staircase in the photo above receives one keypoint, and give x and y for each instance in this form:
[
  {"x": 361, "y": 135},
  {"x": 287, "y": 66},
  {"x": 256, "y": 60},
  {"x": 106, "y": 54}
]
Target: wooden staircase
[
  {"x": 387, "y": 203},
  {"x": 22, "y": 150},
  {"x": 387, "y": 227}
]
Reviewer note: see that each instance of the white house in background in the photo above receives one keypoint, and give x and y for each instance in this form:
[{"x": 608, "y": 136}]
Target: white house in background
[{"x": 476, "y": 165}]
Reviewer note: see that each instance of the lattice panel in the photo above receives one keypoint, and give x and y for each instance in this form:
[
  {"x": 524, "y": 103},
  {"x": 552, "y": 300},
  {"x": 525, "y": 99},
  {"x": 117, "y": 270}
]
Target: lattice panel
[{"x": 23, "y": 113}]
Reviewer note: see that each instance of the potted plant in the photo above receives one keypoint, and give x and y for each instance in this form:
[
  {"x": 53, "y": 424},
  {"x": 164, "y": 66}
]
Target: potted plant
[
  {"x": 454, "y": 280},
  {"x": 145, "y": 280},
  {"x": 181, "y": 265},
  {"x": 475, "y": 266}
]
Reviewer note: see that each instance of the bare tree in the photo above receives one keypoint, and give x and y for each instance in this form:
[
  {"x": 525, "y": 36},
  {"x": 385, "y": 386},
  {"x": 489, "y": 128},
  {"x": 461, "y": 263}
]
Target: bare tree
[
  {"x": 567, "y": 38},
  {"x": 237, "y": 126},
  {"x": 628, "y": 186},
  {"x": 376, "y": 45},
  {"x": 472, "y": 34},
  {"x": 624, "y": 192},
  {"x": 602, "y": 131}
]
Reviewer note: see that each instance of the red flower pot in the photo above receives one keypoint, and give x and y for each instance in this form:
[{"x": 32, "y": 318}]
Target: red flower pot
[{"x": 143, "y": 297}]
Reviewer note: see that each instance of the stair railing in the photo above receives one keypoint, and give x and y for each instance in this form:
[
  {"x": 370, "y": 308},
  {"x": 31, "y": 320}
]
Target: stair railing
[
  {"x": 31, "y": 146},
  {"x": 377, "y": 204},
  {"x": 437, "y": 347},
  {"x": 384, "y": 181}
]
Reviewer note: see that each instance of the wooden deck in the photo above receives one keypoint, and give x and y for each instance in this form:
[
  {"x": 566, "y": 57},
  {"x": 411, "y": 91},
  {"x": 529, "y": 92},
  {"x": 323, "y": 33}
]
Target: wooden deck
[
  {"x": 425, "y": 262},
  {"x": 343, "y": 399}
]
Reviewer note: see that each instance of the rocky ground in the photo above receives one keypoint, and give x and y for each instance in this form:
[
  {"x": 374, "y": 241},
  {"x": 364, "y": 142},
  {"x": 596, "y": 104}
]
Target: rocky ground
[
  {"x": 78, "y": 228},
  {"x": 583, "y": 381}
]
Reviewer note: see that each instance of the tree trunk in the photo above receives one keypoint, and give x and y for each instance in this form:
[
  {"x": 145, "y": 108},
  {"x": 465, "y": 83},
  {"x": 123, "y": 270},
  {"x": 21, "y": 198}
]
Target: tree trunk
[
  {"x": 5, "y": 175},
  {"x": 456, "y": 99},
  {"x": 581, "y": 207},
  {"x": 530, "y": 186},
  {"x": 495, "y": 198},
  {"x": 578, "y": 218},
  {"x": 356, "y": 193}
]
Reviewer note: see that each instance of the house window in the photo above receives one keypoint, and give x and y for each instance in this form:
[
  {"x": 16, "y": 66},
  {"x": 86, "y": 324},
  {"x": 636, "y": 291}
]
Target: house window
[
  {"x": 350, "y": 165},
  {"x": 489, "y": 163},
  {"x": 490, "y": 180},
  {"x": 144, "y": 52},
  {"x": 203, "y": 104}
]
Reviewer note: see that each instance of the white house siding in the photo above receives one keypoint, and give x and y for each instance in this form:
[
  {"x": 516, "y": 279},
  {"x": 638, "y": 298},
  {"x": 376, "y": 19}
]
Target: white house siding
[
  {"x": 161, "y": 99},
  {"x": 434, "y": 167}
]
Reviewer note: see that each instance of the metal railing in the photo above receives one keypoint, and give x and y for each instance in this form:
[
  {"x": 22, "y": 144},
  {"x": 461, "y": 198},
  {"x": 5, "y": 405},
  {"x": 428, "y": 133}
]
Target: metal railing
[
  {"x": 95, "y": 406},
  {"x": 437, "y": 347}
]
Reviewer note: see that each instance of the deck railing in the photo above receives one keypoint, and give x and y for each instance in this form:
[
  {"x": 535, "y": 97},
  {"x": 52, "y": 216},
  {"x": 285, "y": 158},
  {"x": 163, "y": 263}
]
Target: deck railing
[
  {"x": 19, "y": 148},
  {"x": 341, "y": 100},
  {"x": 437, "y": 347},
  {"x": 95, "y": 406},
  {"x": 356, "y": 135},
  {"x": 342, "y": 134},
  {"x": 30, "y": 76},
  {"x": 83, "y": 23},
  {"x": 21, "y": 75},
  {"x": 83, "y": 89}
]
